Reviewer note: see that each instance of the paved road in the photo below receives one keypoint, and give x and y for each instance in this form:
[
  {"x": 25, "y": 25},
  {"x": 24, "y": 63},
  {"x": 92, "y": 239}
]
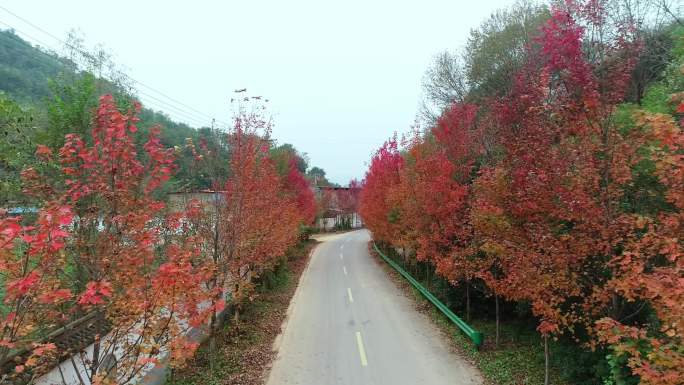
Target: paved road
[{"x": 350, "y": 325}]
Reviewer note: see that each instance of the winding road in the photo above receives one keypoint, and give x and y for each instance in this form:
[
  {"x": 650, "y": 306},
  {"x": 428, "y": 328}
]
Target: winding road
[{"x": 349, "y": 324}]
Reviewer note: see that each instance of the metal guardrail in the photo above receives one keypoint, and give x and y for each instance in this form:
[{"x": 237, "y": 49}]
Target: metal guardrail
[{"x": 474, "y": 335}]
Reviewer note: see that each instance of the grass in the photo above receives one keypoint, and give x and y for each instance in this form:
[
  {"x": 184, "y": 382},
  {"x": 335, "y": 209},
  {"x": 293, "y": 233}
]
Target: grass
[{"x": 519, "y": 360}]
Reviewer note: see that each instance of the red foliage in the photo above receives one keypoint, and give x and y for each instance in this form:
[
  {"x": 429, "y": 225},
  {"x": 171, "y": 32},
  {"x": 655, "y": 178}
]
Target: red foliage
[
  {"x": 457, "y": 133},
  {"x": 149, "y": 272},
  {"x": 31, "y": 260},
  {"x": 115, "y": 245},
  {"x": 539, "y": 211},
  {"x": 299, "y": 186},
  {"x": 377, "y": 206},
  {"x": 543, "y": 220},
  {"x": 651, "y": 268},
  {"x": 261, "y": 221}
]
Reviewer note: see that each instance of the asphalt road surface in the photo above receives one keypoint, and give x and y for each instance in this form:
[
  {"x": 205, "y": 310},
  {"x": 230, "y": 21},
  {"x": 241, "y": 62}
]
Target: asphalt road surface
[{"x": 349, "y": 324}]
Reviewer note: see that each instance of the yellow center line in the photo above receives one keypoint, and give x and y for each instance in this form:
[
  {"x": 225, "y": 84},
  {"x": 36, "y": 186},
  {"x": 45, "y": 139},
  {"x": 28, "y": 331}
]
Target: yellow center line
[
  {"x": 351, "y": 299},
  {"x": 362, "y": 351}
]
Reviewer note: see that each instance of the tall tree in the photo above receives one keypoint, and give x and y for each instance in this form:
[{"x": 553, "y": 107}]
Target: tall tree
[{"x": 146, "y": 294}]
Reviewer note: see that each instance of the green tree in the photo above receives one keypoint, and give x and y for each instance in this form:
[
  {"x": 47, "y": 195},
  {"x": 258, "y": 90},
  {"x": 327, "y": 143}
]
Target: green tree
[
  {"x": 283, "y": 154},
  {"x": 494, "y": 51},
  {"x": 317, "y": 176},
  {"x": 497, "y": 48},
  {"x": 17, "y": 127}
]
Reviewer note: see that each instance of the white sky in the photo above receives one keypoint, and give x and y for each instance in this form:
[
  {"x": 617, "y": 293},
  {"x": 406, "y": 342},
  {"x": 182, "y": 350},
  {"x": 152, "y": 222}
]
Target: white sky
[{"x": 341, "y": 76}]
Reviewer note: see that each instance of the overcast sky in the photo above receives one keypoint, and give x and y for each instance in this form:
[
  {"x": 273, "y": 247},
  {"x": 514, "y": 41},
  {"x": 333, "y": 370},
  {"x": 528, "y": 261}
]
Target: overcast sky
[{"x": 341, "y": 76}]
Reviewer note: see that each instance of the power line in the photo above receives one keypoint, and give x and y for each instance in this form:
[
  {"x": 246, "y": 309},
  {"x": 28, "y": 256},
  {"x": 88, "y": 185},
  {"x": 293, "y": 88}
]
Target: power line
[
  {"x": 178, "y": 115},
  {"x": 86, "y": 54},
  {"x": 27, "y": 35},
  {"x": 204, "y": 121},
  {"x": 49, "y": 59},
  {"x": 89, "y": 55}
]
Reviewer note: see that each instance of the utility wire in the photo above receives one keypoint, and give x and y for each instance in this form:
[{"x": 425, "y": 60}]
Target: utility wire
[
  {"x": 180, "y": 114},
  {"x": 49, "y": 59},
  {"x": 89, "y": 55},
  {"x": 86, "y": 54}
]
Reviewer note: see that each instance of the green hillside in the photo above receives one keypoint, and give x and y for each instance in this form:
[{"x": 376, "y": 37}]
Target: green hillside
[{"x": 44, "y": 96}]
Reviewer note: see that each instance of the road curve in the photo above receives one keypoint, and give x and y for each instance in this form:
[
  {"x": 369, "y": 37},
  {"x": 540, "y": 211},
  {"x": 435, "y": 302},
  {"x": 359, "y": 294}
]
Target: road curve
[{"x": 349, "y": 324}]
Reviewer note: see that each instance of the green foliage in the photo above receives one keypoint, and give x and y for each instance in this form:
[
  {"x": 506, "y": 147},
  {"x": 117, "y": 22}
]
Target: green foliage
[
  {"x": 69, "y": 108},
  {"x": 344, "y": 223},
  {"x": 618, "y": 373},
  {"x": 283, "y": 154},
  {"x": 276, "y": 278},
  {"x": 646, "y": 195},
  {"x": 305, "y": 232},
  {"x": 394, "y": 215},
  {"x": 24, "y": 69},
  {"x": 18, "y": 128},
  {"x": 496, "y": 49},
  {"x": 208, "y": 170},
  {"x": 654, "y": 57},
  {"x": 317, "y": 176},
  {"x": 63, "y": 98},
  {"x": 657, "y": 96},
  {"x": 656, "y": 99},
  {"x": 66, "y": 97}
]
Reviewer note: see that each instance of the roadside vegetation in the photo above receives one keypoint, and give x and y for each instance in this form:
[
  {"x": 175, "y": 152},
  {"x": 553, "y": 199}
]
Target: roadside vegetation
[
  {"x": 246, "y": 345},
  {"x": 542, "y": 200}
]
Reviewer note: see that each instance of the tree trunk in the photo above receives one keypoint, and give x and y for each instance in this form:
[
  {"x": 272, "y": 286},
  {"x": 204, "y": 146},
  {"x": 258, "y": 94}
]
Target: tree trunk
[
  {"x": 616, "y": 306},
  {"x": 428, "y": 279},
  {"x": 96, "y": 357},
  {"x": 468, "y": 301},
  {"x": 546, "y": 360},
  {"x": 496, "y": 302},
  {"x": 212, "y": 342}
]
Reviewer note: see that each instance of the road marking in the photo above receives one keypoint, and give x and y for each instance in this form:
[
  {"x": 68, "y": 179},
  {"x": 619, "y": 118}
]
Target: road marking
[
  {"x": 351, "y": 299},
  {"x": 341, "y": 247},
  {"x": 344, "y": 269},
  {"x": 341, "y": 256},
  {"x": 362, "y": 351}
]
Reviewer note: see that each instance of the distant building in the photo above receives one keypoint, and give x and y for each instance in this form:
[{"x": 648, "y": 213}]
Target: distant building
[
  {"x": 209, "y": 198},
  {"x": 16, "y": 211},
  {"x": 337, "y": 208}
]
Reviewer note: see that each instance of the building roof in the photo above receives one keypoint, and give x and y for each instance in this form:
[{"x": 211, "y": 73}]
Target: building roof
[
  {"x": 332, "y": 188},
  {"x": 207, "y": 191}
]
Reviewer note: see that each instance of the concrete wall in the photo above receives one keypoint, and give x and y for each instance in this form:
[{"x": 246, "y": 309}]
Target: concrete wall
[{"x": 329, "y": 224}]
